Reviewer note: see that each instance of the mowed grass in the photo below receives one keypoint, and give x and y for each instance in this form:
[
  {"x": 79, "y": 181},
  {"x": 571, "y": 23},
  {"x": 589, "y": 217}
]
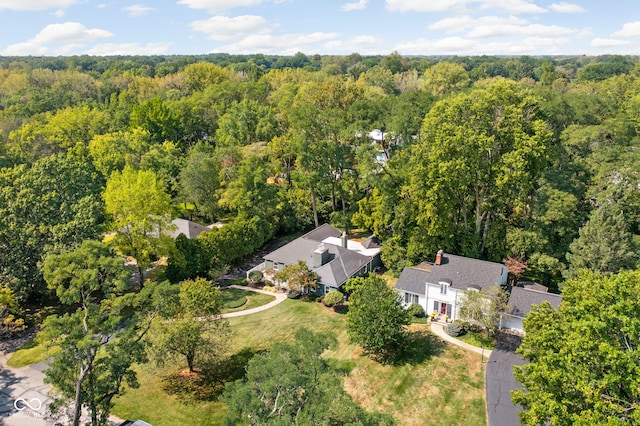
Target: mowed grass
[
  {"x": 232, "y": 299},
  {"x": 447, "y": 386},
  {"x": 478, "y": 339},
  {"x": 31, "y": 353}
]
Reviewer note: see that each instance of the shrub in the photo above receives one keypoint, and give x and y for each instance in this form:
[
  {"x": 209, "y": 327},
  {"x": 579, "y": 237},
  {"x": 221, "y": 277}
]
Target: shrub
[
  {"x": 416, "y": 310},
  {"x": 333, "y": 297},
  {"x": 255, "y": 276},
  {"x": 454, "y": 329},
  {"x": 268, "y": 283},
  {"x": 294, "y": 294},
  {"x": 270, "y": 288}
]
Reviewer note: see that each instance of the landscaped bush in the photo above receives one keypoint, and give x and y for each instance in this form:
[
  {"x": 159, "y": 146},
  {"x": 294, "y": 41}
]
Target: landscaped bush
[
  {"x": 255, "y": 276},
  {"x": 416, "y": 310},
  {"x": 294, "y": 294},
  {"x": 270, "y": 288},
  {"x": 454, "y": 329},
  {"x": 333, "y": 297}
]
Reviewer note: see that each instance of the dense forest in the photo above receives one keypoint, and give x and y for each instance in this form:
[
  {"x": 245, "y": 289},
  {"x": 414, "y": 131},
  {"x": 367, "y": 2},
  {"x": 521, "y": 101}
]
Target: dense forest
[
  {"x": 533, "y": 162},
  {"x": 529, "y": 160}
]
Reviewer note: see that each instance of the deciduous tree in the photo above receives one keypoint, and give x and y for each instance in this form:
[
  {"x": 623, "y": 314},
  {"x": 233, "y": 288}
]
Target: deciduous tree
[
  {"x": 101, "y": 339},
  {"x": 141, "y": 210},
  {"x": 583, "y": 358},
  {"x": 293, "y": 384},
  {"x": 193, "y": 330},
  {"x": 376, "y": 319}
]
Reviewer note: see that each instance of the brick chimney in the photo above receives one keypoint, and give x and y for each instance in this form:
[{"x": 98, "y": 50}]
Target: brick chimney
[{"x": 439, "y": 257}]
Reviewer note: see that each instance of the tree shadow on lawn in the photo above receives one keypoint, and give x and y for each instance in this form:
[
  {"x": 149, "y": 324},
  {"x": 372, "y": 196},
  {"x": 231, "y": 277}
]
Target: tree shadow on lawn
[
  {"x": 209, "y": 383},
  {"x": 419, "y": 346}
]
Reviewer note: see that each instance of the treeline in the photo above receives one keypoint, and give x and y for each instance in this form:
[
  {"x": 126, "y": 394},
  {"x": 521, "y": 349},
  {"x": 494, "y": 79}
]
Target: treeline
[{"x": 491, "y": 157}]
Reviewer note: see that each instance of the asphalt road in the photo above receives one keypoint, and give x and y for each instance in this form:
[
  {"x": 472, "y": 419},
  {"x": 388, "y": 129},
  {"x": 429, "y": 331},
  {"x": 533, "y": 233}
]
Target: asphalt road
[{"x": 499, "y": 381}]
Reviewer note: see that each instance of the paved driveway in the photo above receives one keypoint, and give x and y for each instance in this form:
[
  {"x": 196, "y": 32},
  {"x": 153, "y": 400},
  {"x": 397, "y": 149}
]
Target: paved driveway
[
  {"x": 23, "y": 395},
  {"x": 499, "y": 381}
]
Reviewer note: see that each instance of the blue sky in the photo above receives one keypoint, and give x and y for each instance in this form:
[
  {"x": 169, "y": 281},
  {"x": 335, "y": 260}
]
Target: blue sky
[{"x": 327, "y": 27}]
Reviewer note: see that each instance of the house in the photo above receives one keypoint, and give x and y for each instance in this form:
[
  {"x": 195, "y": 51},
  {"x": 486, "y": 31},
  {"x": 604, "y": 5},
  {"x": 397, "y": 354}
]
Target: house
[
  {"x": 521, "y": 302},
  {"x": 439, "y": 286},
  {"x": 188, "y": 228},
  {"x": 329, "y": 253}
]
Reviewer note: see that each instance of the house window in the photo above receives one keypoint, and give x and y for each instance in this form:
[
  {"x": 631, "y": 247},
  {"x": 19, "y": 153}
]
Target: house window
[
  {"x": 410, "y": 298},
  {"x": 443, "y": 288}
]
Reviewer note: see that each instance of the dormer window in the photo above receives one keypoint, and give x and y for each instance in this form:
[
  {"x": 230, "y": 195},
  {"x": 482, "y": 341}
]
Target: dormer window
[{"x": 444, "y": 285}]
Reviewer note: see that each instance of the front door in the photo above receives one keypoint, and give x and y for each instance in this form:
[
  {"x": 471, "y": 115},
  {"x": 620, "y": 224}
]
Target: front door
[{"x": 443, "y": 308}]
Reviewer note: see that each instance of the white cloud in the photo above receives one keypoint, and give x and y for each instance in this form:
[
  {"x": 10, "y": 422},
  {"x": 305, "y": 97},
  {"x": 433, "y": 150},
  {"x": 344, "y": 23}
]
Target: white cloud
[
  {"x": 137, "y": 10},
  {"x": 36, "y": 4},
  {"x": 608, "y": 42},
  {"x": 466, "y": 46},
  {"x": 286, "y": 44},
  {"x": 68, "y": 32},
  {"x": 465, "y": 22},
  {"x": 58, "y": 13},
  {"x": 358, "y": 5},
  {"x": 515, "y": 7},
  {"x": 226, "y": 28},
  {"x": 566, "y": 8},
  {"x": 630, "y": 29},
  {"x": 495, "y": 26},
  {"x": 219, "y": 6},
  {"x": 107, "y": 49},
  {"x": 63, "y": 34},
  {"x": 533, "y": 30},
  {"x": 363, "y": 44},
  {"x": 424, "y": 5}
]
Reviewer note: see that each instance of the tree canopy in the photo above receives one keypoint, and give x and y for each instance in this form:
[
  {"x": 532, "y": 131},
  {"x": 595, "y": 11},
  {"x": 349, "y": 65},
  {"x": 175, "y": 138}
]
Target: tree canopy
[
  {"x": 583, "y": 358},
  {"x": 376, "y": 319}
]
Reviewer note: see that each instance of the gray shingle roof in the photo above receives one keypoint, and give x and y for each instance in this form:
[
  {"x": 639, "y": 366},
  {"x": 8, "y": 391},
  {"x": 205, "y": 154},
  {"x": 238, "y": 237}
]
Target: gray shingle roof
[
  {"x": 342, "y": 263},
  {"x": 462, "y": 272},
  {"x": 521, "y": 300},
  {"x": 188, "y": 228},
  {"x": 322, "y": 232}
]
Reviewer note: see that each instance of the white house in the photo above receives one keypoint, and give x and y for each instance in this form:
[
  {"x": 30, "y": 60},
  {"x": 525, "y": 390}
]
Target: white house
[{"x": 439, "y": 286}]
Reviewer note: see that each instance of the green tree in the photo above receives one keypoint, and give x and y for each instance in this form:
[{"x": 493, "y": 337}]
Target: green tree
[
  {"x": 100, "y": 339},
  {"x": 199, "y": 181},
  {"x": 483, "y": 308},
  {"x": 376, "y": 319},
  {"x": 49, "y": 206},
  {"x": 140, "y": 210},
  {"x": 293, "y": 384},
  {"x": 298, "y": 277},
  {"x": 193, "y": 330},
  {"x": 583, "y": 358},
  {"x": 477, "y": 162},
  {"x": 444, "y": 78},
  {"x": 604, "y": 244}
]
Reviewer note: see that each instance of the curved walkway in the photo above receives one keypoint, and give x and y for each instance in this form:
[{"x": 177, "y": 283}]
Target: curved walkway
[
  {"x": 438, "y": 330},
  {"x": 280, "y": 297}
]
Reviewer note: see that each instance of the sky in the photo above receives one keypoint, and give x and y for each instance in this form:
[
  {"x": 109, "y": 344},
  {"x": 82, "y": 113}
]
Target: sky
[{"x": 326, "y": 27}]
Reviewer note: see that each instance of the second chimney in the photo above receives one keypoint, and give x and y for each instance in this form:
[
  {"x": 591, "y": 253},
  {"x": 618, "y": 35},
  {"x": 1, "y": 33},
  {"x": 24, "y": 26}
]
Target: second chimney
[
  {"x": 345, "y": 240},
  {"x": 439, "y": 257}
]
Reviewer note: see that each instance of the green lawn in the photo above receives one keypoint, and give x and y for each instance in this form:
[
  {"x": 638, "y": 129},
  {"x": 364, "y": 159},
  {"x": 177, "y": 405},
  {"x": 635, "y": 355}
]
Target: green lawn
[
  {"x": 478, "y": 339},
  {"x": 448, "y": 386},
  {"x": 31, "y": 353},
  {"x": 235, "y": 299}
]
